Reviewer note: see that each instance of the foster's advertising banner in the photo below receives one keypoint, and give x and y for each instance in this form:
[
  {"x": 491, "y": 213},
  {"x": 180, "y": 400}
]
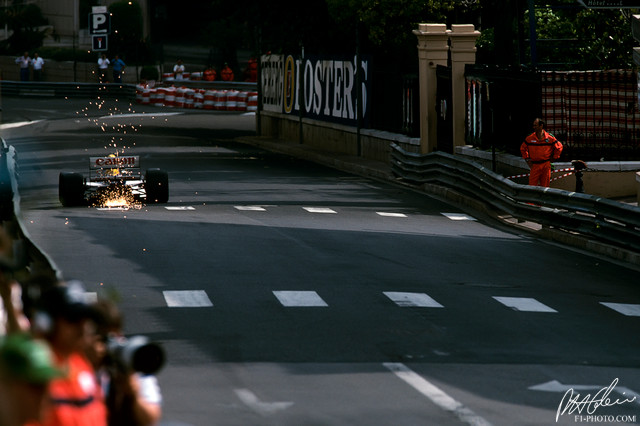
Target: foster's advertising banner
[{"x": 323, "y": 89}]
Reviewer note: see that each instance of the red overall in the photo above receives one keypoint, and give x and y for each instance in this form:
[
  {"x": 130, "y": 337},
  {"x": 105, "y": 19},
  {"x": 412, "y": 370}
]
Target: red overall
[{"x": 539, "y": 153}]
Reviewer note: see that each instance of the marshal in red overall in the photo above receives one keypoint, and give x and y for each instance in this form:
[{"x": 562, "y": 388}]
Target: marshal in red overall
[{"x": 539, "y": 149}]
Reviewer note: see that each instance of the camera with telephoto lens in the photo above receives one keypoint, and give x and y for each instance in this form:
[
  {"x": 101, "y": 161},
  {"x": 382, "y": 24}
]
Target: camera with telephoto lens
[{"x": 136, "y": 353}]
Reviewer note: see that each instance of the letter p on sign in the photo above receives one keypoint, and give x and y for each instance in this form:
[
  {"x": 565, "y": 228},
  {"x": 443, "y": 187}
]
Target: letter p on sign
[{"x": 99, "y": 23}]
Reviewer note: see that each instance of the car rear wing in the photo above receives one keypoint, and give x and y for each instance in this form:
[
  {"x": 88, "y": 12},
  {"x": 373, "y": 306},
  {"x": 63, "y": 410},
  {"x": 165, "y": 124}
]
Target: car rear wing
[{"x": 115, "y": 167}]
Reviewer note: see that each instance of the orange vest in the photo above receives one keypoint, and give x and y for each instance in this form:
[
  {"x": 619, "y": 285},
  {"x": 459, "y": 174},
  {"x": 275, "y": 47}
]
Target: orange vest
[
  {"x": 209, "y": 75},
  {"x": 226, "y": 74},
  {"x": 76, "y": 399},
  {"x": 541, "y": 150}
]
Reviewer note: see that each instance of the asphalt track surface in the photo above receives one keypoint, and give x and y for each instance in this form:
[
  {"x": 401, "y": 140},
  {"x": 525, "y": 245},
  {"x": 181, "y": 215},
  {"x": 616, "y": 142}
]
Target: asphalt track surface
[{"x": 287, "y": 293}]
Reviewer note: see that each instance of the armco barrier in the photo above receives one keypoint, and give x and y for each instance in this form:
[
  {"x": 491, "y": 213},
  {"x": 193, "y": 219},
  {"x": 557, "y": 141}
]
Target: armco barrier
[
  {"x": 6, "y": 190},
  {"x": 598, "y": 218},
  {"x": 33, "y": 260},
  {"x": 122, "y": 91},
  {"x": 67, "y": 89}
]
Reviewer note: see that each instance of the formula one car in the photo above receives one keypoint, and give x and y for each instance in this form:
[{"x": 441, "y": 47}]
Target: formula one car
[{"x": 113, "y": 181}]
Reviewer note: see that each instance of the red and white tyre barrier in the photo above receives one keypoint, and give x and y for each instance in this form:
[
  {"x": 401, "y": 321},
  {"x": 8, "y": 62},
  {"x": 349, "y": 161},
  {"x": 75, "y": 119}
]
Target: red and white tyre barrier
[{"x": 191, "y": 98}]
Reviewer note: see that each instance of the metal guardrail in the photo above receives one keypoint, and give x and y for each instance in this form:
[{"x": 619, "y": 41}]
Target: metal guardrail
[
  {"x": 67, "y": 89},
  {"x": 6, "y": 191},
  {"x": 106, "y": 90},
  {"x": 599, "y": 218},
  {"x": 27, "y": 255}
]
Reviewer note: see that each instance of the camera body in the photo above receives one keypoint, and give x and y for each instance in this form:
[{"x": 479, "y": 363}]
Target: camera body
[{"x": 136, "y": 353}]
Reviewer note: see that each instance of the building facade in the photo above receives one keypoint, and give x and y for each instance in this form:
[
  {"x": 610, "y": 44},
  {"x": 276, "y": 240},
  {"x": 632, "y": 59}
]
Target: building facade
[{"x": 68, "y": 20}]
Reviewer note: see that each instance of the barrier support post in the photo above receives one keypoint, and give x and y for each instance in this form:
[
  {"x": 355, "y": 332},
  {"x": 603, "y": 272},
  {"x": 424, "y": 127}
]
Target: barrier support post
[
  {"x": 433, "y": 50},
  {"x": 463, "y": 51}
]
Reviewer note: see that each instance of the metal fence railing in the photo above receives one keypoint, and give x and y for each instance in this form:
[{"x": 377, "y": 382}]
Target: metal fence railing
[
  {"x": 598, "y": 218},
  {"x": 595, "y": 114}
]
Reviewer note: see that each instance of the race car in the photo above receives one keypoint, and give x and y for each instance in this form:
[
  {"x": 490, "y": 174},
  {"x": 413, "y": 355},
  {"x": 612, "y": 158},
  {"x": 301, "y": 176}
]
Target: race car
[{"x": 113, "y": 180}]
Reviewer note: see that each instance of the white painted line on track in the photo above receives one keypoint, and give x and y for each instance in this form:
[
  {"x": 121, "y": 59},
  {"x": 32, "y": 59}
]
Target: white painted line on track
[
  {"x": 142, "y": 114},
  {"x": 627, "y": 309},
  {"x": 319, "y": 210},
  {"x": 435, "y": 394},
  {"x": 391, "y": 214},
  {"x": 179, "y": 208},
  {"x": 305, "y": 299},
  {"x": 250, "y": 208},
  {"x": 263, "y": 408},
  {"x": 524, "y": 304},
  {"x": 18, "y": 124},
  {"x": 412, "y": 300},
  {"x": 187, "y": 299},
  {"x": 457, "y": 216}
]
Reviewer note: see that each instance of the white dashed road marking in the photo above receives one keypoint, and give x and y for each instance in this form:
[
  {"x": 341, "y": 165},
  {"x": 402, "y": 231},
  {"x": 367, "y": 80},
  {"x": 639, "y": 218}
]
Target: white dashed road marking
[
  {"x": 458, "y": 216},
  {"x": 414, "y": 300},
  {"x": 524, "y": 304},
  {"x": 187, "y": 299},
  {"x": 250, "y": 208},
  {"x": 391, "y": 214},
  {"x": 624, "y": 308},
  {"x": 305, "y": 299},
  {"x": 179, "y": 208},
  {"x": 319, "y": 210},
  {"x": 91, "y": 297}
]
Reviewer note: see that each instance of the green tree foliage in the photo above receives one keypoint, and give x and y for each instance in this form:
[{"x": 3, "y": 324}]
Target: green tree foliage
[
  {"x": 25, "y": 22},
  {"x": 607, "y": 41},
  {"x": 582, "y": 37},
  {"x": 574, "y": 37}
]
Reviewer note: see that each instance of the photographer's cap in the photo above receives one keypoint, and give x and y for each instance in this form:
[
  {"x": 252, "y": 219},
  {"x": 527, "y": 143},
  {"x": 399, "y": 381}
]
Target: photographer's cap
[
  {"x": 67, "y": 301},
  {"x": 26, "y": 359}
]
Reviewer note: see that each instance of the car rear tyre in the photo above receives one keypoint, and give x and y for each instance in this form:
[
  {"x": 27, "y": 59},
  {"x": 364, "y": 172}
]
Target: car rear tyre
[
  {"x": 71, "y": 189},
  {"x": 157, "y": 186}
]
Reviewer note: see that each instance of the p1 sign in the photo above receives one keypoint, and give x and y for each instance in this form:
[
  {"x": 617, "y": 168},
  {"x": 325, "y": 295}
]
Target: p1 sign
[{"x": 99, "y": 23}]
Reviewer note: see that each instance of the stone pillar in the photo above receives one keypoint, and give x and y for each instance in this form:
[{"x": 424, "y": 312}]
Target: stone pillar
[
  {"x": 433, "y": 49},
  {"x": 463, "y": 51}
]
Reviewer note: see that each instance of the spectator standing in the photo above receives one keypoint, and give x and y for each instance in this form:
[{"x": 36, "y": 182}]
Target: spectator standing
[
  {"x": 24, "y": 61},
  {"x": 226, "y": 74},
  {"x": 539, "y": 149},
  {"x": 210, "y": 74},
  {"x": 103, "y": 66},
  {"x": 251, "y": 73},
  {"x": 26, "y": 369},
  {"x": 12, "y": 316},
  {"x": 132, "y": 398},
  {"x": 37, "y": 63},
  {"x": 178, "y": 70},
  {"x": 118, "y": 69},
  {"x": 63, "y": 317}
]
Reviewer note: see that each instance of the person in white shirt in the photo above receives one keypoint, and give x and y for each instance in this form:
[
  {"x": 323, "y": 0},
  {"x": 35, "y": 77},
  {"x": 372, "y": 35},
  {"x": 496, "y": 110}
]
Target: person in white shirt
[
  {"x": 37, "y": 63},
  {"x": 24, "y": 62},
  {"x": 178, "y": 70},
  {"x": 103, "y": 67}
]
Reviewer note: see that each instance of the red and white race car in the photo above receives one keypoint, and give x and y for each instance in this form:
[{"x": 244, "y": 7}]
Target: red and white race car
[{"x": 114, "y": 180}]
